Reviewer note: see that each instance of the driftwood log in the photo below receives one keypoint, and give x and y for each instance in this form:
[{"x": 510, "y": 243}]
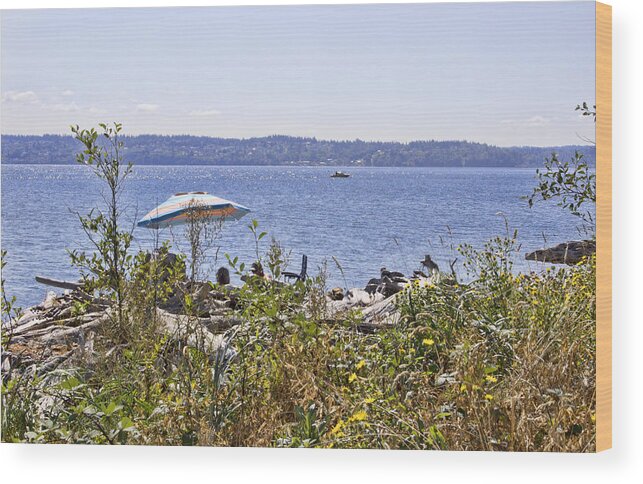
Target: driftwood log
[
  {"x": 60, "y": 284},
  {"x": 52, "y": 335}
]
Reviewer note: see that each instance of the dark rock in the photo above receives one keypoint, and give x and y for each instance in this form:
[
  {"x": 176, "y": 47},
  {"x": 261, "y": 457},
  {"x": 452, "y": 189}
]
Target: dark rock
[
  {"x": 570, "y": 253},
  {"x": 170, "y": 264},
  {"x": 390, "y": 274},
  {"x": 223, "y": 276},
  {"x": 388, "y": 287},
  {"x": 336, "y": 294},
  {"x": 371, "y": 287},
  {"x": 400, "y": 280}
]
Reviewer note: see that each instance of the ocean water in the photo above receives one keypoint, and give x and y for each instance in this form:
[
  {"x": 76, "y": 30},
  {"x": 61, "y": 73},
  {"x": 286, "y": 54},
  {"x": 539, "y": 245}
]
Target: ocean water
[{"x": 378, "y": 217}]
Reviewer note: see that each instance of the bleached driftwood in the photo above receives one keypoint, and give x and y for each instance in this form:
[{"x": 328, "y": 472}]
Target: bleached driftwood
[{"x": 48, "y": 281}]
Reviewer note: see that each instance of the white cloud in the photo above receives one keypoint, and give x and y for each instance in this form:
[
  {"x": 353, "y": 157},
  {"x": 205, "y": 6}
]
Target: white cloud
[
  {"x": 536, "y": 121},
  {"x": 64, "y": 107},
  {"x": 67, "y": 92},
  {"x": 25, "y": 97},
  {"x": 147, "y": 108},
  {"x": 205, "y": 112},
  {"x": 533, "y": 122}
]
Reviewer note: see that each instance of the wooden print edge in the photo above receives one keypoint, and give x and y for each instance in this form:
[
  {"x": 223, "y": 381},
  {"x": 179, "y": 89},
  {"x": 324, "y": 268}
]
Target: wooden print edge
[{"x": 603, "y": 226}]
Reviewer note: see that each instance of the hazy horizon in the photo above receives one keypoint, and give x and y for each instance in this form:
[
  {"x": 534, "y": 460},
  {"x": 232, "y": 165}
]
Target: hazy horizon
[
  {"x": 580, "y": 142},
  {"x": 504, "y": 74}
]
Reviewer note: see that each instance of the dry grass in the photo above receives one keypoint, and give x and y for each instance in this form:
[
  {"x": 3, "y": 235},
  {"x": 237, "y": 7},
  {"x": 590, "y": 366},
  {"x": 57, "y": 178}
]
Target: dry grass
[{"x": 503, "y": 363}]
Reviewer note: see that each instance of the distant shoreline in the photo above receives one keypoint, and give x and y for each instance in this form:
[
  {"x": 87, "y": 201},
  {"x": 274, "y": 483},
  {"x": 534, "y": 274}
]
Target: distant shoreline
[{"x": 290, "y": 151}]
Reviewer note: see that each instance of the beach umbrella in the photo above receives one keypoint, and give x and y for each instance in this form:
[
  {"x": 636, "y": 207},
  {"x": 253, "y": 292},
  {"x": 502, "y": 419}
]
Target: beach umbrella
[{"x": 176, "y": 210}]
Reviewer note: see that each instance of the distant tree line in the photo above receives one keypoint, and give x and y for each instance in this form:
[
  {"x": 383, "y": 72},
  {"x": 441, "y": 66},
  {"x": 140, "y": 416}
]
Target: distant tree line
[{"x": 285, "y": 150}]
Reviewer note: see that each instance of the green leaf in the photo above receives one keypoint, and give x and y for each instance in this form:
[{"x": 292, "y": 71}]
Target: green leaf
[
  {"x": 111, "y": 408},
  {"x": 70, "y": 384},
  {"x": 126, "y": 424}
]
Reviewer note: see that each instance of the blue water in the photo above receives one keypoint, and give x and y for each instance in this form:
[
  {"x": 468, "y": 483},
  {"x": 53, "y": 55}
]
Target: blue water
[{"x": 379, "y": 217}]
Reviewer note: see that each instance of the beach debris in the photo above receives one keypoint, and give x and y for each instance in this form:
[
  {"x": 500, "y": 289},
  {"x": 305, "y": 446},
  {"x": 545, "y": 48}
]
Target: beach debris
[
  {"x": 59, "y": 283},
  {"x": 429, "y": 265},
  {"x": 60, "y": 332},
  {"x": 336, "y": 294},
  {"x": 446, "y": 379}
]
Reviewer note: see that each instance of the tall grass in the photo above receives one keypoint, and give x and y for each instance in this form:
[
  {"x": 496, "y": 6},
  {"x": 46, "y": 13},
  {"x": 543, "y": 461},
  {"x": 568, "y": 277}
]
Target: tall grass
[{"x": 506, "y": 362}]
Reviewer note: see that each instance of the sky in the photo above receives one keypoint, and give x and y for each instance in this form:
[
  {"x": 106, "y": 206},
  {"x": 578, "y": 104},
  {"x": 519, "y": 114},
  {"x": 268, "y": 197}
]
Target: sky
[{"x": 501, "y": 73}]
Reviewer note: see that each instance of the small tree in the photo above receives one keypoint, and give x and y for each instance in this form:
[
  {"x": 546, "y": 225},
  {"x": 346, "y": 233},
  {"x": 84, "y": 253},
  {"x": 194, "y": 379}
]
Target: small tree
[
  {"x": 573, "y": 183},
  {"x": 202, "y": 230},
  {"x": 106, "y": 268}
]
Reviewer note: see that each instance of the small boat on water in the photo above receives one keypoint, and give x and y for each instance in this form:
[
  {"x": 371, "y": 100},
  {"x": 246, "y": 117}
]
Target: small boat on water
[{"x": 339, "y": 174}]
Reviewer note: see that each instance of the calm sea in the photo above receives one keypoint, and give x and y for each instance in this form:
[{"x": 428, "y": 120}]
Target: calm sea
[{"x": 378, "y": 217}]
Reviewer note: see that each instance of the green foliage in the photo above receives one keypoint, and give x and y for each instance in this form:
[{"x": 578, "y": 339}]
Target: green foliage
[
  {"x": 307, "y": 430},
  {"x": 9, "y": 311},
  {"x": 572, "y": 183},
  {"x": 202, "y": 232},
  {"x": 498, "y": 345},
  {"x": 586, "y": 110},
  {"x": 106, "y": 268}
]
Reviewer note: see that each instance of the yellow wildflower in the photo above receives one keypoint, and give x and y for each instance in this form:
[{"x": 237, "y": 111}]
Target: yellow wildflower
[
  {"x": 428, "y": 342},
  {"x": 488, "y": 397},
  {"x": 358, "y": 416},
  {"x": 337, "y": 429},
  {"x": 352, "y": 378},
  {"x": 491, "y": 379},
  {"x": 360, "y": 365},
  {"x": 369, "y": 400}
]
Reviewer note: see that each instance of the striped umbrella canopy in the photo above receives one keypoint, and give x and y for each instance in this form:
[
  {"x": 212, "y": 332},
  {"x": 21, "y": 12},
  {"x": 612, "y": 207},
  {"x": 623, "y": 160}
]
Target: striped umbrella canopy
[{"x": 176, "y": 209}]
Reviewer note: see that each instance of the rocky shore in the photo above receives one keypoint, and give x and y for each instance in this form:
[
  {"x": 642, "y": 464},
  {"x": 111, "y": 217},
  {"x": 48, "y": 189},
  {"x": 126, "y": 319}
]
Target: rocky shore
[
  {"x": 570, "y": 253},
  {"x": 55, "y": 334}
]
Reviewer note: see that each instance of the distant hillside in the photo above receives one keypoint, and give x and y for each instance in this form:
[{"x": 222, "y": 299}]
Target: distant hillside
[{"x": 285, "y": 150}]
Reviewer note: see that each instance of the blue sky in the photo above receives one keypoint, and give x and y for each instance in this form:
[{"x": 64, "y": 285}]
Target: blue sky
[{"x": 502, "y": 73}]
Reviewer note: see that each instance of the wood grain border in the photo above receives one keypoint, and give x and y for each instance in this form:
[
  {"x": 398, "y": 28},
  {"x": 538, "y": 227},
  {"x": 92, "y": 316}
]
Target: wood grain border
[{"x": 603, "y": 226}]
